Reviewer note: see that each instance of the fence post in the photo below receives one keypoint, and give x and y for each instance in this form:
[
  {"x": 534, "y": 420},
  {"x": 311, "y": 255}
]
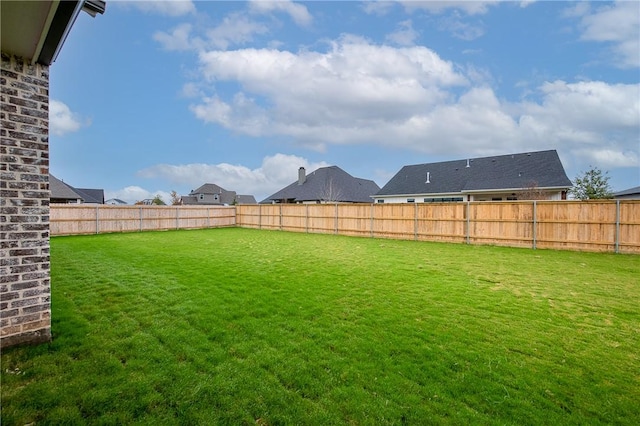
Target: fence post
[
  {"x": 335, "y": 220},
  {"x": 372, "y": 209},
  {"x": 259, "y": 216},
  {"x": 306, "y": 218},
  {"x": 140, "y": 210},
  {"x": 617, "y": 250},
  {"x": 415, "y": 222},
  {"x": 97, "y": 221},
  {"x": 177, "y": 218},
  {"x": 535, "y": 224},
  {"x": 468, "y": 230},
  {"x": 281, "y": 217},
  {"x": 208, "y": 217}
]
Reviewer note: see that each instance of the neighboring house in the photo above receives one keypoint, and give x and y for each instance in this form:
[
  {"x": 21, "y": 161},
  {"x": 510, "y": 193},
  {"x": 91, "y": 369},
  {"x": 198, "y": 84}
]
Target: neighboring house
[
  {"x": 32, "y": 34},
  {"x": 246, "y": 199},
  {"x": 115, "y": 202},
  {"x": 325, "y": 185},
  {"x": 212, "y": 194},
  {"x": 628, "y": 194},
  {"x": 530, "y": 175},
  {"x": 62, "y": 192}
]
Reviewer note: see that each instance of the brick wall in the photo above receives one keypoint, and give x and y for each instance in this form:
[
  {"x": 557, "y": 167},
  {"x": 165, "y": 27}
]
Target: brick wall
[{"x": 25, "y": 293}]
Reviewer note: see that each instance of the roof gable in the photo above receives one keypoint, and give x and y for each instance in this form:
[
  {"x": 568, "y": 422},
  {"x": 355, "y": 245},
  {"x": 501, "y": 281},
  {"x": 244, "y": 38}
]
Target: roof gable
[
  {"x": 90, "y": 195},
  {"x": 513, "y": 171},
  {"x": 60, "y": 190},
  {"x": 63, "y": 191},
  {"x": 208, "y": 188},
  {"x": 327, "y": 184}
]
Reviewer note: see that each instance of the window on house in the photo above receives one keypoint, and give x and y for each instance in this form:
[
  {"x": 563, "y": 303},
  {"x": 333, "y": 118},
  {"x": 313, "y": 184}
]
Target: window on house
[
  {"x": 380, "y": 201},
  {"x": 496, "y": 199},
  {"x": 201, "y": 197},
  {"x": 411, "y": 200},
  {"x": 443, "y": 200}
]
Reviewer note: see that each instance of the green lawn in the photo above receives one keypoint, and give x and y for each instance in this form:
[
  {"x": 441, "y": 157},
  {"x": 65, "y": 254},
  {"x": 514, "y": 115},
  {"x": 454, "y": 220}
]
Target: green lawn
[{"x": 238, "y": 326}]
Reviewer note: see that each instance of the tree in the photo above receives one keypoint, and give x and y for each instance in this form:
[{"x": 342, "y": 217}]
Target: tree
[
  {"x": 330, "y": 193},
  {"x": 592, "y": 185},
  {"x": 532, "y": 192},
  {"x": 158, "y": 201},
  {"x": 176, "y": 200}
]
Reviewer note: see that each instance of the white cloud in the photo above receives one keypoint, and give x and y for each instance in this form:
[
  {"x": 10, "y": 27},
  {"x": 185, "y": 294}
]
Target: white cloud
[
  {"x": 172, "y": 8},
  {"x": 235, "y": 29},
  {"x": 608, "y": 157},
  {"x": 436, "y": 7},
  {"x": 178, "y": 39},
  {"x": 190, "y": 90},
  {"x": 61, "y": 119},
  {"x": 379, "y": 7},
  {"x": 410, "y": 98},
  {"x": 405, "y": 35},
  {"x": 276, "y": 172},
  {"x": 133, "y": 194},
  {"x": 468, "y": 7},
  {"x": 298, "y": 12},
  {"x": 619, "y": 25},
  {"x": 353, "y": 86},
  {"x": 455, "y": 25}
]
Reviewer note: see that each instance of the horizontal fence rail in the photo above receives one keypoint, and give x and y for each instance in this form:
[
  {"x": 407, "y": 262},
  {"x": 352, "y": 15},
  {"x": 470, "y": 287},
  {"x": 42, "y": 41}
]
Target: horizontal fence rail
[{"x": 605, "y": 226}]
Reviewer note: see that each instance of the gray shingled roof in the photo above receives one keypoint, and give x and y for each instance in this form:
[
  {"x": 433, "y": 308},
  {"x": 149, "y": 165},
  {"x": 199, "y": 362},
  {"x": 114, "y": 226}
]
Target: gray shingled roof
[
  {"x": 208, "y": 188},
  {"x": 61, "y": 191},
  {"x": 90, "y": 195},
  {"x": 246, "y": 199},
  {"x": 225, "y": 197},
  {"x": 631, "y": 191},
  {"x": 321, "y": 182},
  {"x": 513, "y": 171}
]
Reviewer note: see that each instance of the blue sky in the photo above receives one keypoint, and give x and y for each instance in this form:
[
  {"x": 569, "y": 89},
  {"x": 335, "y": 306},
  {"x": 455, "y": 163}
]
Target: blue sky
[{"x": 159, "y": 96}]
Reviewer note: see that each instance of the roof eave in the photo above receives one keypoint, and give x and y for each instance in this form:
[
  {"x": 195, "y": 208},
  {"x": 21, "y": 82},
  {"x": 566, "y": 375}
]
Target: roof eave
[
  {"x": 421, "y": 194},
  {"x": 541, "y": 188},
  {"x": 62, "y": 16}
]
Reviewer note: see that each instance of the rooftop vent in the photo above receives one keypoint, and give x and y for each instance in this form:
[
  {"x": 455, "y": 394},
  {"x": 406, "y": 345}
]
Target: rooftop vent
[
  {"x": 302, "y": 175},
  {"x": 428, "y": 177},
  {"x": 468, "y": 165}
]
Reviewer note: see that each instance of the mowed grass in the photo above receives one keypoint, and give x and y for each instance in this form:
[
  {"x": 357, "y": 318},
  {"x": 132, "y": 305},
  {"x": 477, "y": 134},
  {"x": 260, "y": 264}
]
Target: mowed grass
[{"x": 238, "y": 326}]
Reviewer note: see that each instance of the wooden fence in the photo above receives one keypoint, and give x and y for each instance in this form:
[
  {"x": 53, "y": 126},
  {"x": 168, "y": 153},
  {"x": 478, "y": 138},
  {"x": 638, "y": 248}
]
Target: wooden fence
[
  {"x": 70, "y": 219},
  {"x": 606, "y": 226}
]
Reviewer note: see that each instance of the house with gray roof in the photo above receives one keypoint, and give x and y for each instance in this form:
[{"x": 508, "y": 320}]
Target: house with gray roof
[
  {"x": 115, "y": 202},
  {"x": 212, "y": 194},
  {"x": 62, "y": 192},
  {"x": 325, "y": 185},
  {"x": 495, "y": 178},
  {"x": 628, "y": 194}
]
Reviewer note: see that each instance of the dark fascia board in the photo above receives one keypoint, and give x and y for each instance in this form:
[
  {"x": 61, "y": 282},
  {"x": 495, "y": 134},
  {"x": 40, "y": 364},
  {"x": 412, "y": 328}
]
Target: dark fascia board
[{"x": 63, "y": 19}]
